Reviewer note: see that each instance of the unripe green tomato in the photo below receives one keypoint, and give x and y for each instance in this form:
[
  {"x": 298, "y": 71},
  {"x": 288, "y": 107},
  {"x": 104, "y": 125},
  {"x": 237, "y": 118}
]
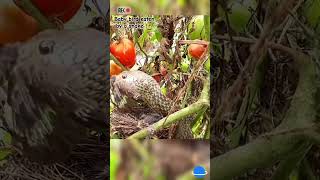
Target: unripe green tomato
[
  {"x": 239, "y": 15},
  {"x": 196, "y": 28}
]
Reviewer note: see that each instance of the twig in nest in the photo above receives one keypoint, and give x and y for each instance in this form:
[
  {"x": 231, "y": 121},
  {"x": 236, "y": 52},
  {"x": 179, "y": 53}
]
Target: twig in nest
[
  {"x": 73, "y": 173},
  {"x": 288, "y": 22},
  {"x": 309, "y": 32},
  {"x": 15, "y": 175}
]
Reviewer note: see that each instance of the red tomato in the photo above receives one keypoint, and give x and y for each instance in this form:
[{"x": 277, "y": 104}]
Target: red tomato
[
  {"x": 124, "y": 51},
  {"x": 114, "y": 69},
  {"x": 15, "y": 25},
  {"x": 196, "y": 50},
  {"x": 61, "y": 9}
]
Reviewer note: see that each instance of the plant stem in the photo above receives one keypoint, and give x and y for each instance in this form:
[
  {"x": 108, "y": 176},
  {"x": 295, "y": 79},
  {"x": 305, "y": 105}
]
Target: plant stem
[
  {"x": 118, "y": 63},
  {"x": 33, "y": 11}
]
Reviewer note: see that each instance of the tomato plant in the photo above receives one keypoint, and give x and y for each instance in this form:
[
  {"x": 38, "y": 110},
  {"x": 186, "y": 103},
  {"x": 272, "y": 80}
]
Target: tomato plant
[
  {"x": 196, "y": 50},
  {"x": 15, "y": 25},
  {"x": 114, "y": 69},
  {"x": 63, "y": 10},
  {"x": 124, "y": 51}
]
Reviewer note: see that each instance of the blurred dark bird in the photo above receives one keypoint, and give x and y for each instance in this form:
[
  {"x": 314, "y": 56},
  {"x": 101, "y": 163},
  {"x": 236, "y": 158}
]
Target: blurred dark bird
[{"x": 55, "y": 88}]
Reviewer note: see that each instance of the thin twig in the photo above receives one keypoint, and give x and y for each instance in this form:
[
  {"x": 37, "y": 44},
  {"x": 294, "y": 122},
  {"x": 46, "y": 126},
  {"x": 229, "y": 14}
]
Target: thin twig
[
  {"x": 16, "y": 175},
  {"x": 194, "y": 42},
  {"x": 289, "y": 21},
  {"x": 271, "y": 45},
  {"x": 73, "y": 173}
]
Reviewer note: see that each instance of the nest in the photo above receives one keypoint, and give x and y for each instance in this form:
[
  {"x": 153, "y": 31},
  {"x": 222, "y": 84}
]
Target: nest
[
  {"x": 87, "y": 162},
  {"x": 125, "y": 122}
]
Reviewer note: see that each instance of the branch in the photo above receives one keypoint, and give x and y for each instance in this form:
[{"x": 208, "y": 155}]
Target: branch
[
  {"x": 260, "y": 153},
  {"x": 269, "y": 44},
  {"x": 194, "y": 42}
]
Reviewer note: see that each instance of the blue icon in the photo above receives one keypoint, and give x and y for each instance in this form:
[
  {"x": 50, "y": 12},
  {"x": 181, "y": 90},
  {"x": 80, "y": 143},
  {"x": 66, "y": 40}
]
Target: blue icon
[{"x": 199, "y": 172}]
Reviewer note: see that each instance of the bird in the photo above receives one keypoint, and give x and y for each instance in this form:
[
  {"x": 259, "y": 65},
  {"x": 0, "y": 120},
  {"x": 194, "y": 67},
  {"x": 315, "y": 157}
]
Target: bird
[
  {"x": 142, "y": 93},
  {"x": 55, "y": 90}
]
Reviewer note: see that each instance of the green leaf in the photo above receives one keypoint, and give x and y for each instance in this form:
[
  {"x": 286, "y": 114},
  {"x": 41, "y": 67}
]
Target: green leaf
[
  {"x": 143, "y": 37},
  {"x": 312, "y": 12},
  {"x": 158, "y": 35},
  {"x": 207, "y": 27},
  {"x": 4, "y": 152},
  {"x": 196, "y": 29},
  {"x": 7, "y": 139},
  {"x": 207, "y": 65}
]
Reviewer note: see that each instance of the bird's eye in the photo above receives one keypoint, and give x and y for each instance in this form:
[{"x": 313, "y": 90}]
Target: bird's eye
[
  {"x": 124, "y": 76},
  {"x": 46, "y": 47}
]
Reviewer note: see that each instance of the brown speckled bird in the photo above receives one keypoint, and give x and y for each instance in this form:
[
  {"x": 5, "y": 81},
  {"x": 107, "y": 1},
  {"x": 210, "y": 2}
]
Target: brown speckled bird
[
  {"x": 140, "y": 88},
  {"x": 55, "y": 88}
]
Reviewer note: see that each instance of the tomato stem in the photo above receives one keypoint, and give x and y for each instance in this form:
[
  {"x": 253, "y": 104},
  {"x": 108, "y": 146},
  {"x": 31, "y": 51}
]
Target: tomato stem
[
  {"x": 118, "y": 63},
  {"x": 29, "y": 8}
]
